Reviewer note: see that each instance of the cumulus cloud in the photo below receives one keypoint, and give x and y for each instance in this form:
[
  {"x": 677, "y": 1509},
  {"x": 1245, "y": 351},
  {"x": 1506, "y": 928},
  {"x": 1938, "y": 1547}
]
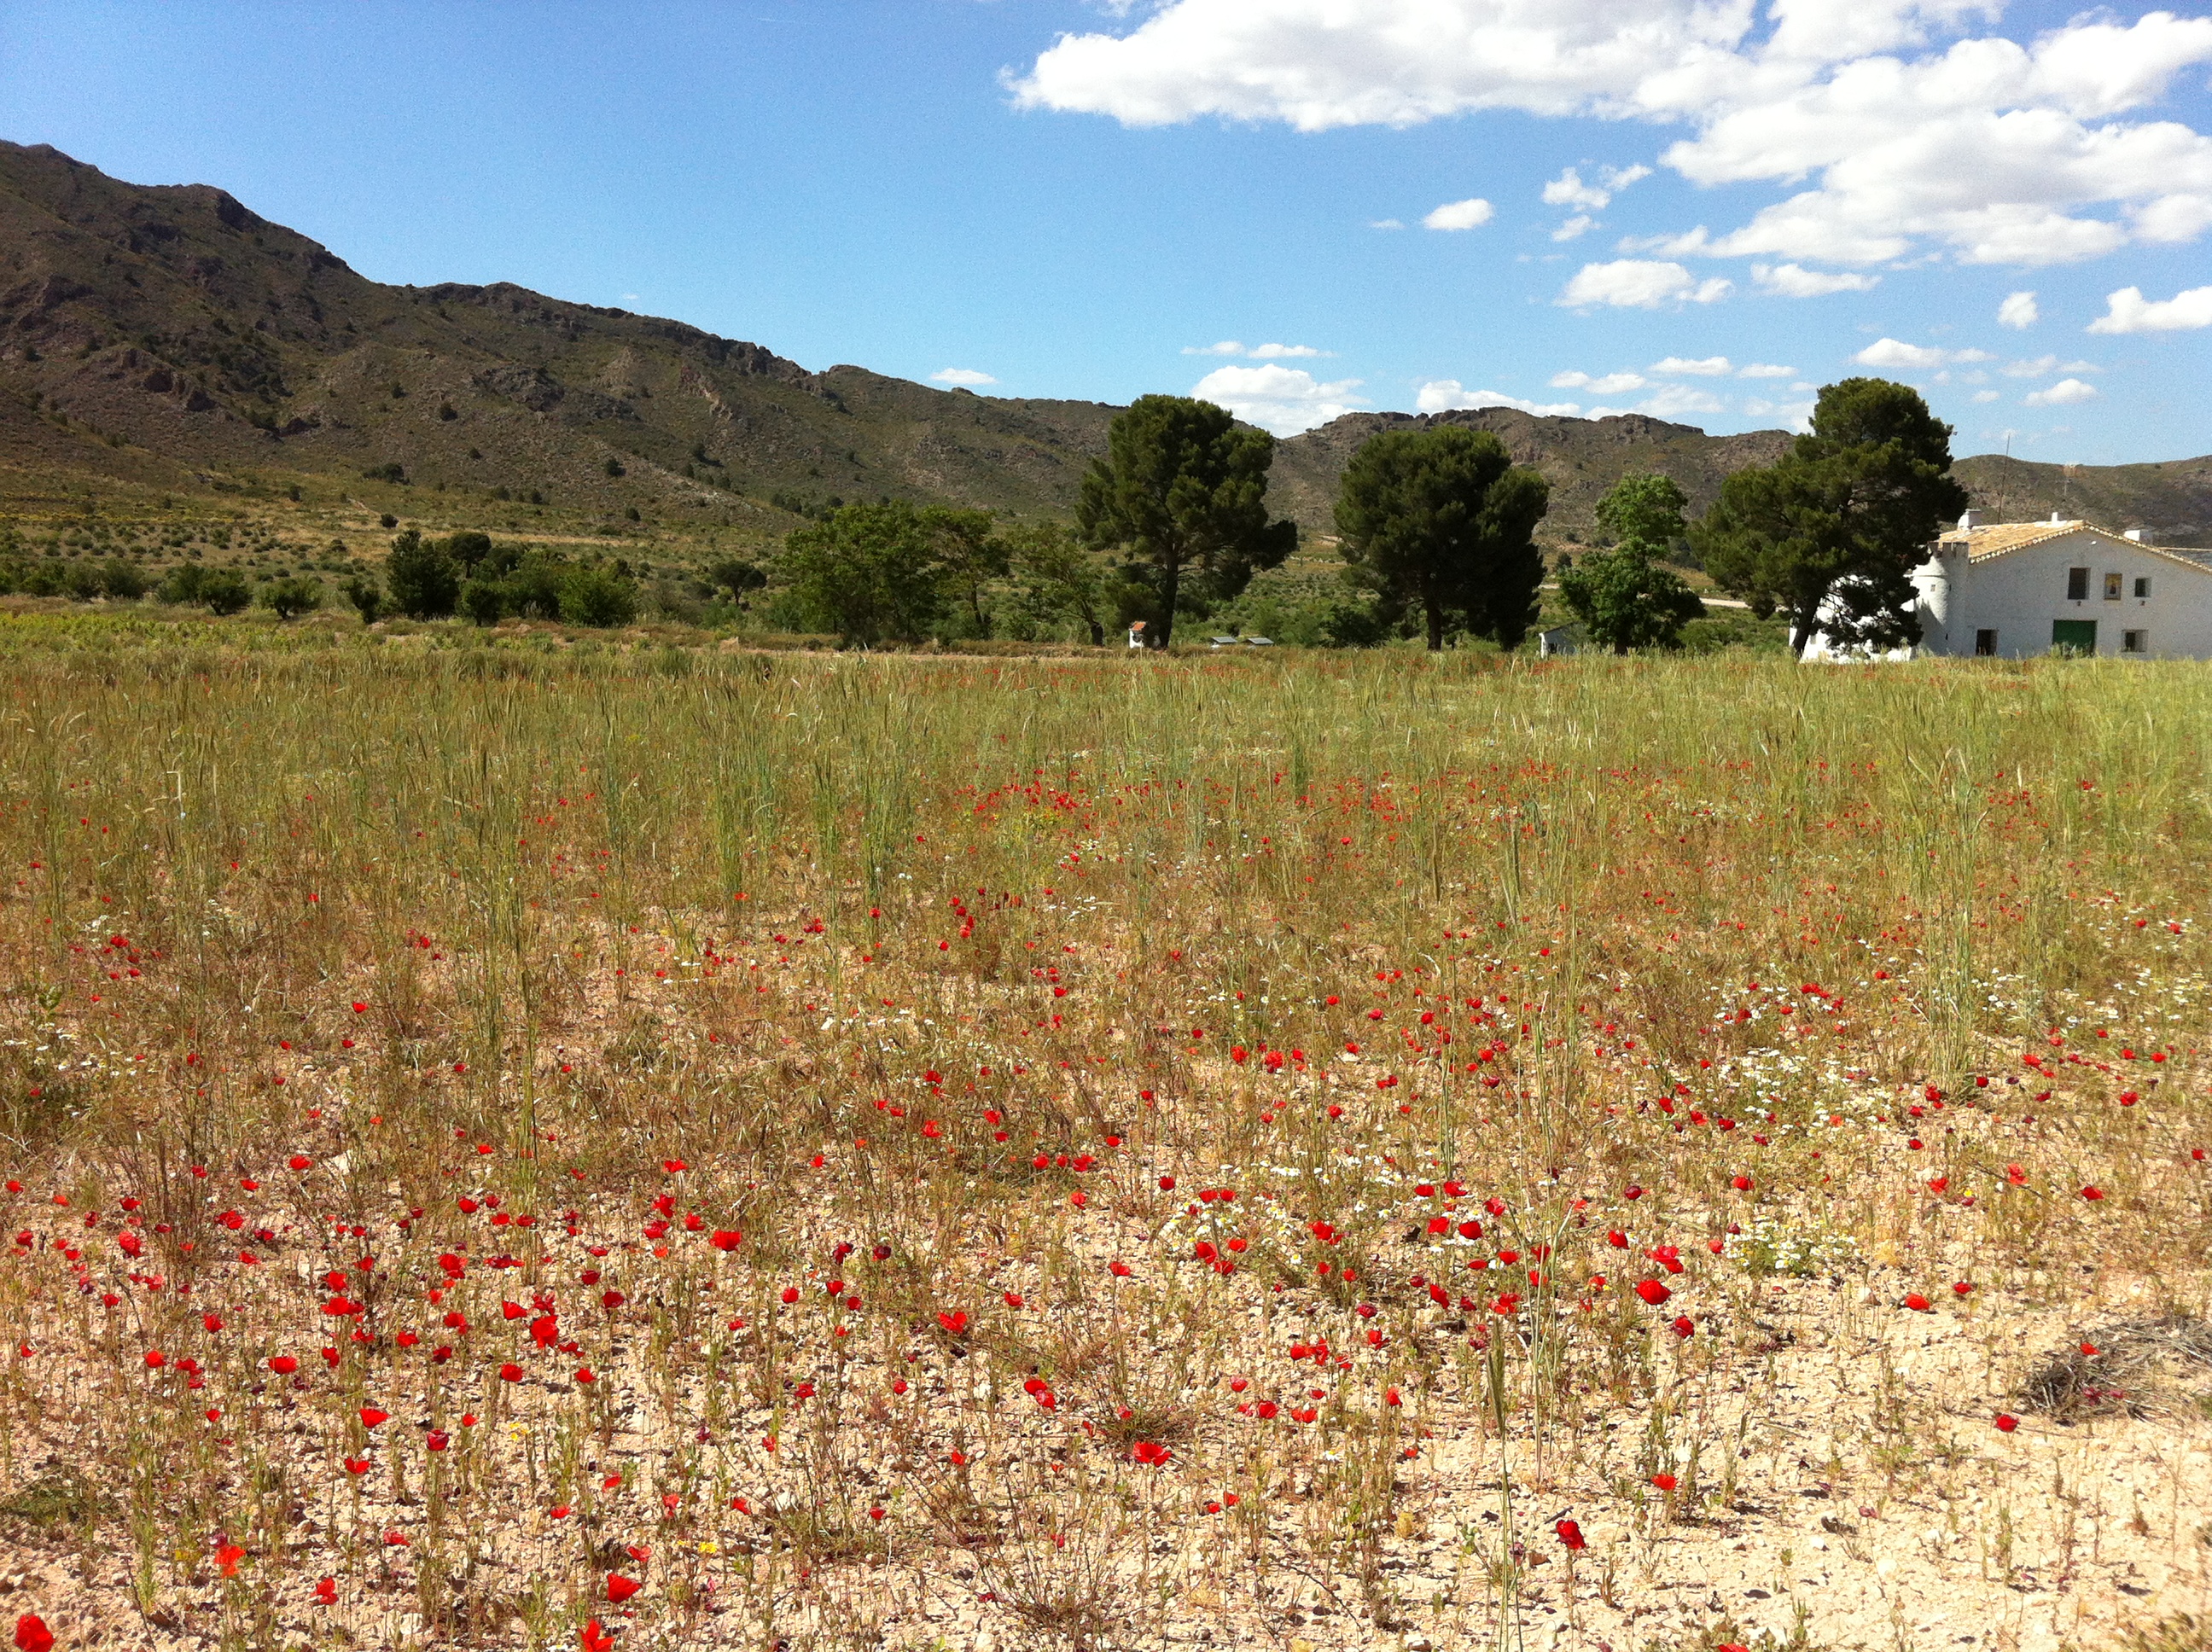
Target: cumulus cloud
[
  {"x": 1763, "y": 370},
  {"x": 1795, "y": 415},
  {"x": 1460, "y": 215},
  {"x": 1285, "y": 400},
  {"x": 1611, "y": 384},
  {"x": 1445, "y": 395},
  {"x": 1795, "y": 281},
  {"x": 2043, "y": 366},
  {"x": 1895, "y": 125},
  {"x": 1387, "y": 223},
  {"x": 1569, "y": 190},
  {"x": 1985, "y": 396},
  {"x": 2128, "y": 311},
  {"x": 2018, "y": 312},
  {"x": 2065, "y": 393},
  {"x": 1668, "y": 402},
  {"x": 1702, "y": 367},
  {"x": 1257, "y": 353},
  {"x": 961, "y": 376},
  {"x": 1896, "y": 353},
  {"x": 1578, "y": 224},
  {"x": 1640, "y": 283}
]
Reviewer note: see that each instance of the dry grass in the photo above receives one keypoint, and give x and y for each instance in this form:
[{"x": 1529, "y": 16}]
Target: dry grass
[{"x": 442, "y": 980}]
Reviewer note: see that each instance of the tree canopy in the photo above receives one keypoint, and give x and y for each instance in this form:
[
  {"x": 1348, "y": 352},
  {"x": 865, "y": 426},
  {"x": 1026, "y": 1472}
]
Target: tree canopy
[
  {"x": 1442, "y": 524},
  {"x": 870, "y": 573},
  {"x": 1829, "y": 534},
  {"x": 1623, "y": 598},
  {"x": 1183, "y": 492}
]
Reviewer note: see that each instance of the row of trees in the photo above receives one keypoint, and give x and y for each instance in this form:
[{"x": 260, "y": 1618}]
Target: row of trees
[
  {"x": 1437, "y": 526},
  {"x": 467, "y": 574}
]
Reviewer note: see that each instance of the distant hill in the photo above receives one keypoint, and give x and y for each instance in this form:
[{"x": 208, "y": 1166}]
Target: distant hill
[{"x": 168, "y": 340}]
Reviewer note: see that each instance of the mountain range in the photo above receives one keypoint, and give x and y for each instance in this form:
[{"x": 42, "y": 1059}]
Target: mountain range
[{"x": 167, "y": 341}]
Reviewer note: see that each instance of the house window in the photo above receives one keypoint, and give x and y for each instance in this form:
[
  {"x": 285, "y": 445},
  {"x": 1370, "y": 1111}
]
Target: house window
[
  {"x": 2133, "y": 642},
  {"x": 2077, "y": 584},
  {"x": 2142, "y": 586},
  {"x": 1985, "y": 643},
  {"x": 2111, "y": 587}
]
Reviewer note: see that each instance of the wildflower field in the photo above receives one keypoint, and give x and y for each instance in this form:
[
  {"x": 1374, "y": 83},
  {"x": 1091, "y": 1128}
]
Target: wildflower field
[{"x": 660, "y": 1148}]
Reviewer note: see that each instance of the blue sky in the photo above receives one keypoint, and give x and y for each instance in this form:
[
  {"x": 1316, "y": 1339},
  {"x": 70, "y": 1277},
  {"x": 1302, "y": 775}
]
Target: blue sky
[{"x": 1070, "y": 198}]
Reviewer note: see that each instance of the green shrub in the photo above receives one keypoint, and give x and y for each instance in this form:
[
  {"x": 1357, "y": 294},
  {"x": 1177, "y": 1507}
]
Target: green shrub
[
  {"x": 597, "y": 596},
  {"x": 484, "y": 601},
  {"x": 421, "y": 578},
  {"x": 291, "y": 596},
  {"x": 225, "y": 591},
  {"x": 367, "y": 596}
]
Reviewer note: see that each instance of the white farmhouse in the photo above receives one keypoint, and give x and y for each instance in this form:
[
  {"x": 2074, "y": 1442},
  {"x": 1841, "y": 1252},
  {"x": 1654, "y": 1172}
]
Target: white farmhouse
[
  {"x": 2012, "y": 589},
  {"x": 2015, "y": 588}
]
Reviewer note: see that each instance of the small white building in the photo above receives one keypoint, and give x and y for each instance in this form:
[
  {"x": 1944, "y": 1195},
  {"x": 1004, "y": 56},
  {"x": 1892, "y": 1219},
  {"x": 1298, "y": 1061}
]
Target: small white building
[
  {"x": 2010, "y": 589},
  {"x": 2013, "y": 589}
]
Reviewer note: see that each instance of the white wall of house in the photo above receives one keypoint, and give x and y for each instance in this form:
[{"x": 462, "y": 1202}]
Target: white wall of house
[{"x": 2007, "y": 603}]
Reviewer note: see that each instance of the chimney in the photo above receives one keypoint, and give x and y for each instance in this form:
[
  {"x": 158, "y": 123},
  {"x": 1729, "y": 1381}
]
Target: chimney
[
  {"x": 1972, "y": 520},
  {"x": 2140, "y": 535},
  {"x": 2056, "y": 517}
]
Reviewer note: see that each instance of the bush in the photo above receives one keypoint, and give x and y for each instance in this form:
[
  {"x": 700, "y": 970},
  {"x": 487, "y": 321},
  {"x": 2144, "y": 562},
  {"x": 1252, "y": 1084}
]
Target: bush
[
  {"x": 224, "y": 590},
  {"x": 119, "y": 579},
  {"x": 391, "y": 472},
  {"x": 596, "y": 596},
  {"x": 367, "y": 596},
  {"x": 484, "y": 601},
  {"x": 291, "y": 596},
  {"x": 423, "y": 580},
  {"x": 869, "y": 572},
  {"x": 468, "y": 548}
]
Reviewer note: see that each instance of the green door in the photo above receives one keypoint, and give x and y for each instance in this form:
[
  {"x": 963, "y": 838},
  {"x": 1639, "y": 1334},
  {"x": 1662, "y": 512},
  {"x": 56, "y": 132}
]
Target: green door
[{"x": 2079, "y": 635}]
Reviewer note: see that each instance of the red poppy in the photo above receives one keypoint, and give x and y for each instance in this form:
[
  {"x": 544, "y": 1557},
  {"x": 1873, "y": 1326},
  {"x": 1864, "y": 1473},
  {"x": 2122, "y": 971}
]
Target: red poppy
[
  {"x": 620, "y": 1588},
  {"x": 1653, "y": 1292},
  {"x": 1571, "y": 1534},
  {"x": 2007, "y": 1422},
  {"x": 32, "y": 1634}
]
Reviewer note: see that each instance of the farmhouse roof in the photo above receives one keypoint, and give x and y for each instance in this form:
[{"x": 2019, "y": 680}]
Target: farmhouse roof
[{"x": 1996, "y": 539}]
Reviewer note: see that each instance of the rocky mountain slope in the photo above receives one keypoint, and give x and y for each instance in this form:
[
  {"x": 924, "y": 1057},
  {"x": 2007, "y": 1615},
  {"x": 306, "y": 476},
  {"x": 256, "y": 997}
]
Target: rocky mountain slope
[{"x": 169, "y": 339}]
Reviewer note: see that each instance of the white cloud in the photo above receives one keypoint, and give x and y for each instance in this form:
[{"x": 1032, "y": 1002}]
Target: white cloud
[
  {"x": 1613, "y": 383},
  {"x": 1895, "y": 125},
  {"x": 2064, "y": 393},
  {"x": 1985, "y": 396},
  {"x": 2043, "y": 366},
  {"x": 1640, "y": 283},
  {"x": 2128, "y": 311},
  {"x": 1257, "y": 353},
  {"x": 1896, "y": 353},
  {"x": 1799, "y": 414},
  {"x": 1795, "y": 281},
  {"x": 1763, "y": 370},
  {"x": 1387, "y": 223},
  {"x": 1285, "y": 400},
  {"x": 2018, "y": 312},
  {"x": 1702, "y": 367},
  {"x": 961, "y": 376},
  {"x": 1574, "y": 227},
  {"x": 1443, "y": 395},
  {"x": 1460, "y": 215},
  {"x": 1569, "y": 190},
  {"x": 1668, "y": 402}
]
